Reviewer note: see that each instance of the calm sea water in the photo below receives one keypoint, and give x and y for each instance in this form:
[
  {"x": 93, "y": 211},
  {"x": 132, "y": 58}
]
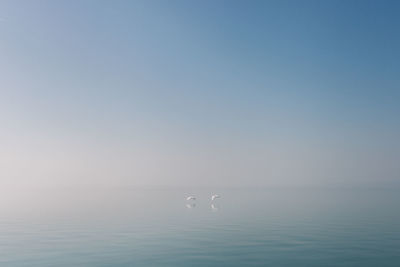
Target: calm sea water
[{"x": 158, "y": 227}]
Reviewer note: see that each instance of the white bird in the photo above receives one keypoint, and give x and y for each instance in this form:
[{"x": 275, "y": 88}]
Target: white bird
[
  {"x": 214, "y": 197},
  {"x": 191, "y": 198}
]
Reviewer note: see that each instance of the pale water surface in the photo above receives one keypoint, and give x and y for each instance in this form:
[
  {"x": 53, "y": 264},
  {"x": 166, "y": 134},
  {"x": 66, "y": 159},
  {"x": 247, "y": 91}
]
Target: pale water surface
[{"x": 157, "y": 227}]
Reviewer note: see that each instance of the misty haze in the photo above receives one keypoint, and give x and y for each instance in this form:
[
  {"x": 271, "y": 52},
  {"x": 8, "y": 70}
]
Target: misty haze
[{"x": 199, "y": 133}]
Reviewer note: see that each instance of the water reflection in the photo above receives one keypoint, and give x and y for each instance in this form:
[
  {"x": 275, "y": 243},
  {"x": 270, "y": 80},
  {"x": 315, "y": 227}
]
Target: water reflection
[
  {"x": 214, "y": 207},
  {"x": 191, "y": 206}
]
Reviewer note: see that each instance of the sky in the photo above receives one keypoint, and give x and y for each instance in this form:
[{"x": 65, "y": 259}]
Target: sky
[{"x": 199, "y": 93}]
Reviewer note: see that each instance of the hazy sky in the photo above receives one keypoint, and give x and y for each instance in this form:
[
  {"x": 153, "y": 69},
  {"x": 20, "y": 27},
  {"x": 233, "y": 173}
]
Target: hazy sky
[{"x": 199, "y": 93}]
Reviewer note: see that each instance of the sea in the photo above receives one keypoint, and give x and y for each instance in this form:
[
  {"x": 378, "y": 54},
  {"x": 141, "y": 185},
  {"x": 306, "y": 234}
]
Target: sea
[{"x": 157, "y": 226}]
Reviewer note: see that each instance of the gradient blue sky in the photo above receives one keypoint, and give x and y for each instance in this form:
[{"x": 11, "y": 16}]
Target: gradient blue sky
[{"x": 200, "y": 92}]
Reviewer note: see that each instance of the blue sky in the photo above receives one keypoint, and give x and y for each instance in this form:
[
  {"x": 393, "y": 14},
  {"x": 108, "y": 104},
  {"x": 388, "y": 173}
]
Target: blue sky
[{"x": 185, "y": 92}]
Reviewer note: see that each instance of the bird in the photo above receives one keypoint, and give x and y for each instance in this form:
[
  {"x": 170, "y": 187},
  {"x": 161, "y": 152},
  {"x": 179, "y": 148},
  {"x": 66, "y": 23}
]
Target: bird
[
  {"x": 214, "y": 197},
  {"x": 191, "y": 198}
]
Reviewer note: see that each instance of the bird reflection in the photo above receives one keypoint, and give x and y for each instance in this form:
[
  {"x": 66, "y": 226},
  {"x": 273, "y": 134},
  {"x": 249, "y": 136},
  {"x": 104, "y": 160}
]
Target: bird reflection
[
  {"x": 214, "y": 207},
  {"x": 191, "y": 206}
]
